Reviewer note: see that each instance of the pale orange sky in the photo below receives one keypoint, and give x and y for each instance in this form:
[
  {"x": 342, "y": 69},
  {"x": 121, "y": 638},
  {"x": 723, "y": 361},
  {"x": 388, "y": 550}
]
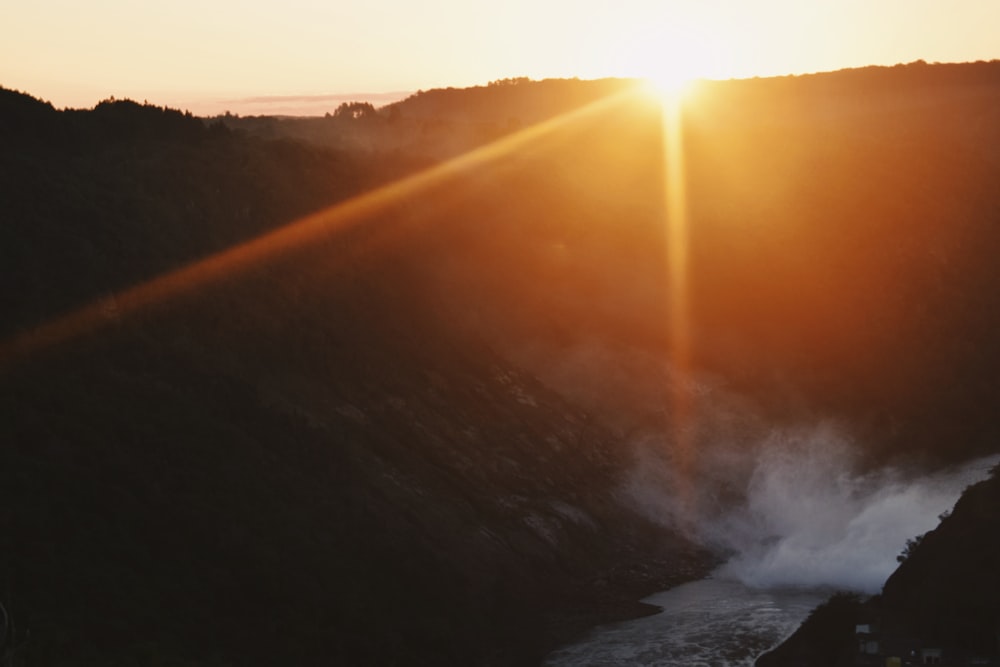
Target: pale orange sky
[{"x": 210, "y": 56}]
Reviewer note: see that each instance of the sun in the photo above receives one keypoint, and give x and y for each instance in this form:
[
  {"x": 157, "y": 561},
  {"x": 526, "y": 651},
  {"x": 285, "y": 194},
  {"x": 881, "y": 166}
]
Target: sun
[
  {"x": 669, "y": 82},
  {"x": 671, "y": 70},
  {"x": 669, "y": 58},
  {"x": 669, "y": 86}
]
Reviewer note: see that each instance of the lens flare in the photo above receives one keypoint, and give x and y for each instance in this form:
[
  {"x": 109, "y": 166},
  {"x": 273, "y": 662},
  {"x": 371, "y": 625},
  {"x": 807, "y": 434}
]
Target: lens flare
[
  {"x": 300, "y": 233},
  {"x": 675, "y": 193}
]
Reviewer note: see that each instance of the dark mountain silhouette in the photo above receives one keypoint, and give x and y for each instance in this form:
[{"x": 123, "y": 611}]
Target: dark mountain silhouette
[{"x": 407, "y": 441}]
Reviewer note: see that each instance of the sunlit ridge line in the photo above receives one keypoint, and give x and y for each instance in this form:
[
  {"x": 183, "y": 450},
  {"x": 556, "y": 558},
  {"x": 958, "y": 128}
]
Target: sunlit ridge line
[{"x": 337, "y": 218}]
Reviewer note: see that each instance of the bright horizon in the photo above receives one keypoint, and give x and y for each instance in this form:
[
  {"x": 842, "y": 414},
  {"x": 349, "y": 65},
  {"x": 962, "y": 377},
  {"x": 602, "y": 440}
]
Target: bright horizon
[{"x": 305, "y": 56}]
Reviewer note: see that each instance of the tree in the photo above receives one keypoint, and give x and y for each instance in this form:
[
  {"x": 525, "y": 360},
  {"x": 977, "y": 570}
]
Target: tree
[
  {"x": 911, "y": 546},
  {"x": 514, "y": 81},
  {"x": 355, "y": 110}
]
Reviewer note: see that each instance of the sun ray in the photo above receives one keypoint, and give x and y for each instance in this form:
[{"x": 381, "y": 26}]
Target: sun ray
[
  {"x": 678, "y": 292},
  {"x": 297, "y": 234}
]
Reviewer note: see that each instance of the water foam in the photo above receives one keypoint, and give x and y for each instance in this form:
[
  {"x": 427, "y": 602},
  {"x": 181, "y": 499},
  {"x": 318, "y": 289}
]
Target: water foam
[{"x": 795, "y": 509}]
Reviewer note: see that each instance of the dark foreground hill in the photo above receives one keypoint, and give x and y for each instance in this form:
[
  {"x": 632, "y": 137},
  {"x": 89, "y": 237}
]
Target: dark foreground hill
[{"x": 298, "y": 463}]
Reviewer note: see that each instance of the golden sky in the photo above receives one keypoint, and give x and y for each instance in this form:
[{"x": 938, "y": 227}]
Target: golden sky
[{"x": 212, "y": 55}]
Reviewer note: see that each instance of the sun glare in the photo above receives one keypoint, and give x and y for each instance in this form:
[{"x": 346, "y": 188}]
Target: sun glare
[
  {"x": 669, "y": 82},
  {"x": 667, "y": 90},
  {"x": 670, "y": 57}
]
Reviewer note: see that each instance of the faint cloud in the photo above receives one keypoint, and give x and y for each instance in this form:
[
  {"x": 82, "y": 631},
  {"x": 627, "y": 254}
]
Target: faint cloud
[{"x": 295, "y": 105}]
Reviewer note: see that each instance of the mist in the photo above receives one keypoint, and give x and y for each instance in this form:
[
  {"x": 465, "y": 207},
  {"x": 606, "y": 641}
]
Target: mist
[{"x": 792, "y": 507}]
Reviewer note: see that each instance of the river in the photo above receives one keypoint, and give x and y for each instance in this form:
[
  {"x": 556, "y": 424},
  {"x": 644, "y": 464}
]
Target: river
[{"x": 714, "y": 622}]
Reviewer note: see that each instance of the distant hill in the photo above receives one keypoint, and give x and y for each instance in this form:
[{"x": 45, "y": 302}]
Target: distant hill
[
  {"x": 441, "y": 122},
  {"x": 517, "y": 101}
]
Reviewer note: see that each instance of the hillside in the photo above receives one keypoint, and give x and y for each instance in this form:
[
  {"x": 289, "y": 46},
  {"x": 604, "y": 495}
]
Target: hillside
[
  {"x": 297, "y": 463},
  {"x": 438, "y": 123},
  {"x": 841, "y": 245}
]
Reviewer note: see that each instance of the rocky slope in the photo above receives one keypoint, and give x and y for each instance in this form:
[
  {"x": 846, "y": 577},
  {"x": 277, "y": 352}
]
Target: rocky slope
[{"x": 294, "y": 463}]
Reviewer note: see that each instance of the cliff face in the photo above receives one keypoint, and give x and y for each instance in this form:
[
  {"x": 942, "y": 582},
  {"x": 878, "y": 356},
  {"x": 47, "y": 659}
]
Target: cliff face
[{"x": 948, "y": 589}]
